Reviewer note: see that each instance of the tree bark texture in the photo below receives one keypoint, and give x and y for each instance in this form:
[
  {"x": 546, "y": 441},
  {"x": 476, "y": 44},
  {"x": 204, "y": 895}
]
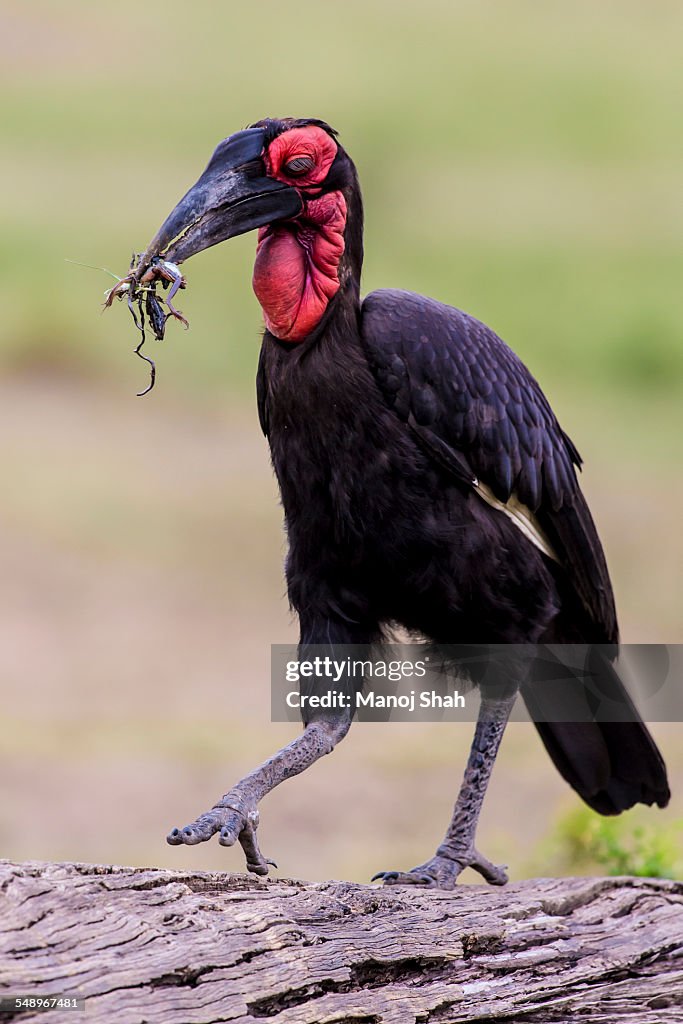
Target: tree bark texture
[{"x": 172, "y": 947}]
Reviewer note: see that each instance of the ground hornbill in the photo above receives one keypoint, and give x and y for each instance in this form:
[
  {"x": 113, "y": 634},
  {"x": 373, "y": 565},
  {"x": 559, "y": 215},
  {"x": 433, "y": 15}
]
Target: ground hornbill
[{"x": 425, "y": 482}]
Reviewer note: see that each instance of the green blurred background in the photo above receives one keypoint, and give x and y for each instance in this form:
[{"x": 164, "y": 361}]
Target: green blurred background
[{"x": 520, "y": 160}]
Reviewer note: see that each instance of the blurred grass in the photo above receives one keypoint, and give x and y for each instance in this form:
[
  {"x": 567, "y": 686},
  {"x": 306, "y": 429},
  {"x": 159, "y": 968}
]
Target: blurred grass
[
  {"x": 583, "y": 842},
  {"x": 522, "y": 161}
]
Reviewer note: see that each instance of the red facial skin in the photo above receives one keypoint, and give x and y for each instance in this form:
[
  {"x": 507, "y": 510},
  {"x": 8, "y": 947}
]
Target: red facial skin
[
  {"x": 296, "y": 272},
  {"x": 312, "y": 142}
]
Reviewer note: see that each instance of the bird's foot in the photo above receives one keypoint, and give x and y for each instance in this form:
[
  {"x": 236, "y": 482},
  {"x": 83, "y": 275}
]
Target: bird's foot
[
  {"x": 234, "y": 817},
  {"x": 442, "y": 871}
]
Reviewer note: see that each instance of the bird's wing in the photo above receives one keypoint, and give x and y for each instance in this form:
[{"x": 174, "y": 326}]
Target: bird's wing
[{"x": 478, "y": 411}]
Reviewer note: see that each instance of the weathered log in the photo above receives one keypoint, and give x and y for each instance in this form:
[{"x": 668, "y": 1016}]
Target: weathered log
[{"x": 171, "y": 947}]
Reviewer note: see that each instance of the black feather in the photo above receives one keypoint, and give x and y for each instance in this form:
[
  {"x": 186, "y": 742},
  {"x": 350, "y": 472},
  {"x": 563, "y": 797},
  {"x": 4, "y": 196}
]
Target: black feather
[
  {"x": 487, "y": 408},
  {"x": 613, "y": 762}
]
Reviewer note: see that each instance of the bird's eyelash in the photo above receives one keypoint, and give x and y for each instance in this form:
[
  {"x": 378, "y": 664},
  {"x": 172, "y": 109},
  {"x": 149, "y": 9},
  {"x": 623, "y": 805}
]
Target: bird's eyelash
[{"x": 298, "y": 165}]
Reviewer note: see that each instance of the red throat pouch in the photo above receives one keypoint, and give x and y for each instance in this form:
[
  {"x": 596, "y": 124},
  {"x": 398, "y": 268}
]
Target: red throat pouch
[{"x": 296, "y": 272}]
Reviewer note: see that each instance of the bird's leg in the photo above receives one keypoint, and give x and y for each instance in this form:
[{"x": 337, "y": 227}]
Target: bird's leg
[
  {"x": 458, "y": 851},
  {"x": 236, "y": 814}
]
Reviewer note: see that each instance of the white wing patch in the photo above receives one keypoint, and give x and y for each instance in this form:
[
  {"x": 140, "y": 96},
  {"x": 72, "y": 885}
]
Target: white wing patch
[{"x": 522, "y": 516}]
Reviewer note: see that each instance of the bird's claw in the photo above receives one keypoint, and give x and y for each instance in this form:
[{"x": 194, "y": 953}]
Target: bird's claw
[
  {"x": 405, "y": 878},
  {"x": 233, "y": 823},
  {"x": 443, "y": 870},
  {"x": 242, "y": 826}
]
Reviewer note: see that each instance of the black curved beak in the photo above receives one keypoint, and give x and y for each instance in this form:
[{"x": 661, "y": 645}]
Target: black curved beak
[{"x": 232, "y": 196}]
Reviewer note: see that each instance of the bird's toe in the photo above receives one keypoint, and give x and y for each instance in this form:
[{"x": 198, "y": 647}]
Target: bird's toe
[
  {"x": 405, "y": 878},
  {"x": 233, "y": 825},
  {"x": 198, "y": 831}
]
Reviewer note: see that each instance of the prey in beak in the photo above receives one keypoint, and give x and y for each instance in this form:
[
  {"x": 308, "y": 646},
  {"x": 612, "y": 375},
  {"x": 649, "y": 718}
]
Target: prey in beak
[
  {"x": 142, "y": 293},
  {"x": 233, "y": 195}
]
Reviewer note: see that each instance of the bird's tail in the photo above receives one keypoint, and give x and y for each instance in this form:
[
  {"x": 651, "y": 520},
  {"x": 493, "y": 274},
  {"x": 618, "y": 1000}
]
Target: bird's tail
[{"x": 613, "y": 764}]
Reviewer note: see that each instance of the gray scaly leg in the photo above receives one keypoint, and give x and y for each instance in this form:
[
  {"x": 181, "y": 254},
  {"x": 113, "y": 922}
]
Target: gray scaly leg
[
  {"x": 458, "y": 851},
  {"x": 236, "y": 814}
]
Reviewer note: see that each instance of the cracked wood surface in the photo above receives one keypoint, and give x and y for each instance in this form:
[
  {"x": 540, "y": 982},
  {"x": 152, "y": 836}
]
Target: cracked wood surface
[{"x": 172, "y": 947}]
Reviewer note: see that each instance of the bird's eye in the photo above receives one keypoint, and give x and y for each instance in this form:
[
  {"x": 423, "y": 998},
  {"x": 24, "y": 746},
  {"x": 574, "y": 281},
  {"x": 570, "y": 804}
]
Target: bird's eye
[{"x": 298, "y": 166}]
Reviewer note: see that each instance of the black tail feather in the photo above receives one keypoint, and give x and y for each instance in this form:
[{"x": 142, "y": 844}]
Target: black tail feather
[{"x": 613, "y": 764}]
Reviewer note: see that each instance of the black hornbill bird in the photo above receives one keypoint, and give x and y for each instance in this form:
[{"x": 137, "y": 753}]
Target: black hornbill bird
[{"x": 424, "y": 477}]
